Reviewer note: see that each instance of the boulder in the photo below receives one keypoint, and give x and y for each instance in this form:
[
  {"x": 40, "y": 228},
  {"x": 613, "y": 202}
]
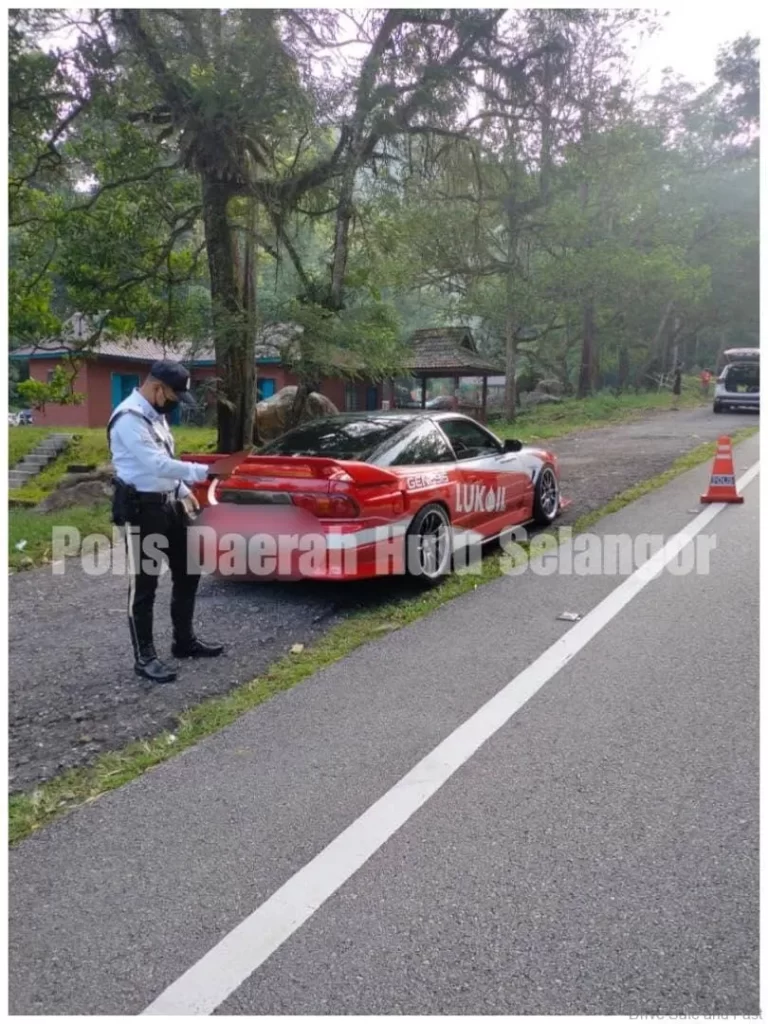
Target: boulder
[
  {"x": 551, "y": 386},
  {"x": 273, "y": 414},
  {"x": 104, "y": 472},
  {"x": 534, "y": 398},
  {"x": 84, "y": 489}
]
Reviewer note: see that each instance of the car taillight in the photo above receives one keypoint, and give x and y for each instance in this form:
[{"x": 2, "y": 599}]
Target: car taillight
[{"x": 327, "y": 506}]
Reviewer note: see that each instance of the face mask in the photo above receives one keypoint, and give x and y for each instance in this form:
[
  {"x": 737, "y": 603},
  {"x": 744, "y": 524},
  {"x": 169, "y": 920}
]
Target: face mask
[{"x": 168, "y": 406}]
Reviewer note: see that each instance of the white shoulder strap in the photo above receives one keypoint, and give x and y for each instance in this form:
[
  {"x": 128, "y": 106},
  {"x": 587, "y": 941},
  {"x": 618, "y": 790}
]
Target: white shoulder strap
[{"x": 152, "y": 426}]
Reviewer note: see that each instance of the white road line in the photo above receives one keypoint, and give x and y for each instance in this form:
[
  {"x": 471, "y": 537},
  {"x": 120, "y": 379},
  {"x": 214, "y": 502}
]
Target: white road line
[{"x": 205, "y": 986}]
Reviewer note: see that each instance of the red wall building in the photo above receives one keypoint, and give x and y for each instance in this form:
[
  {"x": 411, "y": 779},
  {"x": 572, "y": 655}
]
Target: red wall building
[{"x": 108, "y": 376}]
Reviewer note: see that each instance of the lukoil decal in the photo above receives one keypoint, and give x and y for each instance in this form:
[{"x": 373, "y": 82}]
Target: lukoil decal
[
  {"x": 476, "y": 498},
  {"x": 432, "y": 479}
]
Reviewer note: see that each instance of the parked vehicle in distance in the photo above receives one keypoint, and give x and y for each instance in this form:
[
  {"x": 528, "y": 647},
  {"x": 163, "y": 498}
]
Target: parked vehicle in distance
[
  {"x": 415, "y": 487},
  {"x": 441, "y": 402},
  {"x": 26, "y": 418},
  {"x": 738, "y": 382},
  {"x": 23, "y": 418}
]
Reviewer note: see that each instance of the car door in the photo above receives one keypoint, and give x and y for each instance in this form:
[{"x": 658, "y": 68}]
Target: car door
[{"x": 493, "y": 482}]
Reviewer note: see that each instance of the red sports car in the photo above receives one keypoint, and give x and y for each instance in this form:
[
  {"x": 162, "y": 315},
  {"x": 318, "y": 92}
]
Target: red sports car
[{"x": 369, "y": 494}]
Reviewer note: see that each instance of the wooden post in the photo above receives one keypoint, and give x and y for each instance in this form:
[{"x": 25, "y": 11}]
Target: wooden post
[
  {"x": 485, "y": 398},
  {"x": 424, "y": 392},
  {"x": 456, "y": 382}
]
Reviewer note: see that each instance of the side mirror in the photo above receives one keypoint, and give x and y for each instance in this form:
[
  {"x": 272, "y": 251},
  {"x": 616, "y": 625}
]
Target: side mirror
[{"x": 512, "y": 445}]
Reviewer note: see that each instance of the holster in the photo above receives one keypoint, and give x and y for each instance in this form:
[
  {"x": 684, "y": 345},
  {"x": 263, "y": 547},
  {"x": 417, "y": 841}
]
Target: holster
[
  {"x": 186, "y": 510},
  {"x": 125, "y": 502}
]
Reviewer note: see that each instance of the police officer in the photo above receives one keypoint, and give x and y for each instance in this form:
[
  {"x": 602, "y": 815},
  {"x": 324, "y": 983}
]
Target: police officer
[{"x": 151, "y": 486}]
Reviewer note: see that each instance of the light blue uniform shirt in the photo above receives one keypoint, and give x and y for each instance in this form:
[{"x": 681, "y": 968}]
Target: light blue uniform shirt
[{"x": 139, "y": 456}]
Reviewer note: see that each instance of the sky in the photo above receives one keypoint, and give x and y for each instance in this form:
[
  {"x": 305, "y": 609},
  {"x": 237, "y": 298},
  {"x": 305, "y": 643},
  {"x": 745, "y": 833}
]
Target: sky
[{"x": 690, "y": 39}]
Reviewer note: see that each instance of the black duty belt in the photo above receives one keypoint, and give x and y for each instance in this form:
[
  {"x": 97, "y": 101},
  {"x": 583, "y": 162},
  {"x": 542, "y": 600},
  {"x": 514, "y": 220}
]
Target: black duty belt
[{"x": 154, "y": 497}]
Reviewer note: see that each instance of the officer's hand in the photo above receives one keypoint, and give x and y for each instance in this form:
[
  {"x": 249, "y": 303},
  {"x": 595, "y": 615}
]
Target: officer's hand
[{"x": 227, "y": 466}]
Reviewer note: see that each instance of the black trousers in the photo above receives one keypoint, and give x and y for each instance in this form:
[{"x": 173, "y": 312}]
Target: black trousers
[{"x": 158, "y": 536}]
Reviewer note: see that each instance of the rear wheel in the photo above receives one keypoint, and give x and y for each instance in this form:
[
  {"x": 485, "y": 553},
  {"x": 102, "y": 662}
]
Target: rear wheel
[
  {"x": 717, "y": 407},
  {"x": 546, "y": 497},
  {"x": 428, "y": 546}
]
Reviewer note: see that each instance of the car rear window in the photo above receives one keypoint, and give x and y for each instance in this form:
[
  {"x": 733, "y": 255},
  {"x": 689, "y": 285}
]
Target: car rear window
[
  {"x": 338, "y": 437},
  {"x": 743, "y": 378}
]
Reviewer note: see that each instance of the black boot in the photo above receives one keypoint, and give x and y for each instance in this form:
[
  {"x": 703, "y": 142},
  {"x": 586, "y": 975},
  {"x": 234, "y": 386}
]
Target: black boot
[
  {"x": 151, "y": 667},
  {"x": 194, "y": 648}
]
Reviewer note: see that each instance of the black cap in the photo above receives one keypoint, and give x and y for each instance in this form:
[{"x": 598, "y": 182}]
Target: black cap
[{"x": 176, "y": 377}]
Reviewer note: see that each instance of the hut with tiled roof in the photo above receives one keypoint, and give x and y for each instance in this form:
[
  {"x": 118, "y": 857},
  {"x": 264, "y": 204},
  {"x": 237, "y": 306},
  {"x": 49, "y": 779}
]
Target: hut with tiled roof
[{"x": 450, "y": 353}]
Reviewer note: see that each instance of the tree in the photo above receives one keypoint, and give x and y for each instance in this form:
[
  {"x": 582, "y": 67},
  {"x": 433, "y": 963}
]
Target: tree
[
  {"x": 229, "y": 103},
  {"x": 206, "y": 172}
]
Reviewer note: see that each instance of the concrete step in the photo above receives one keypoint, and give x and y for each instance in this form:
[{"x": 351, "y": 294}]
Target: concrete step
[
  {"x": 17, "y": 479},
  {"x": 37, "y": 459}
]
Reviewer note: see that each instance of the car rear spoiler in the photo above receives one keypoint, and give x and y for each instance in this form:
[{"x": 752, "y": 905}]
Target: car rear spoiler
[{"x": 306, "y": 468}]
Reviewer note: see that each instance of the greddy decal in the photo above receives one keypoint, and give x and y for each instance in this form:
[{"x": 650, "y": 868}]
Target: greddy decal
[
  {"x": 432, "y": 479},
  {"x": 475, "y": 498}
]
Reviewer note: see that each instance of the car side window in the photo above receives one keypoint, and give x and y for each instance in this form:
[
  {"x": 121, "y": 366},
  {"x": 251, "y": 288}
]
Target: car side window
[
  {"x": 421, "y": 446},
  {"x": 468, "y": 439}
]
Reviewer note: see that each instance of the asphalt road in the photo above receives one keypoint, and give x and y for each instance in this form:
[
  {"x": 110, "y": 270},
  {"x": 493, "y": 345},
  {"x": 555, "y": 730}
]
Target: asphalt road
[
  {"x": 73, "y": 693},
  {"x": 597, "y": 855}
]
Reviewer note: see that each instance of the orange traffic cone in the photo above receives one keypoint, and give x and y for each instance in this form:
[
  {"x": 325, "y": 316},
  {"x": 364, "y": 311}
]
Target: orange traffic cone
[{"x": 722, "y": 482}]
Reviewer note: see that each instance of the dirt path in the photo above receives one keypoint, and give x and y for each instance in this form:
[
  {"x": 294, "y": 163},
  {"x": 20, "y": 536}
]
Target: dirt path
[{"x": 73, "y": 693}]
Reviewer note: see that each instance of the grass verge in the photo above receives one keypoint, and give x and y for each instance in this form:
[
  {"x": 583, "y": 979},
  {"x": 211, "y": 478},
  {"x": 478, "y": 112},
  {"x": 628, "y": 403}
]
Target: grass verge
[
  {"x": 30, "y": 811},
  {"x": 21, "y": 441},
  {"x": 33, "y": 531},
  {"x": 547, "y": 422}
]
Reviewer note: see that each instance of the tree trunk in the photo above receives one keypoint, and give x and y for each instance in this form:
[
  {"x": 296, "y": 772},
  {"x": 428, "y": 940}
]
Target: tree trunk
[
  {"x": 660, "y": 329},
  {"x": 623, "y": 368},
  {"x": 597, "y": 375},
  {"x": 587, "y": 364},
  {"x": 510, "y": 330},
  {"x": 660, "y": 340},
  {"x": 299, "y": 404},
  {"x": 653, "y": 349},
  {"x": 510, "y": 384},
  {"x": 587, "y": 367},
  {"x": 341, "y": 238},
  {"x": 249, "y": 284},
  {"x": 545, "y": 153},
  {"x": 359, "y": 140},
  {"x": 233, "y": 341}
]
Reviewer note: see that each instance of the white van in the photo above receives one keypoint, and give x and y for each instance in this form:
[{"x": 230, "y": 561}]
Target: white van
[{"x": 738, "y": 382}]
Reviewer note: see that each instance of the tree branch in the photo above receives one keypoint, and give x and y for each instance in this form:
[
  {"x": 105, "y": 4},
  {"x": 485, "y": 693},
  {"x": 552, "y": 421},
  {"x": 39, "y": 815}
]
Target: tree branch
[
  {"x": 108, "y": 187},
  {"x": 173, "y": 89}
]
